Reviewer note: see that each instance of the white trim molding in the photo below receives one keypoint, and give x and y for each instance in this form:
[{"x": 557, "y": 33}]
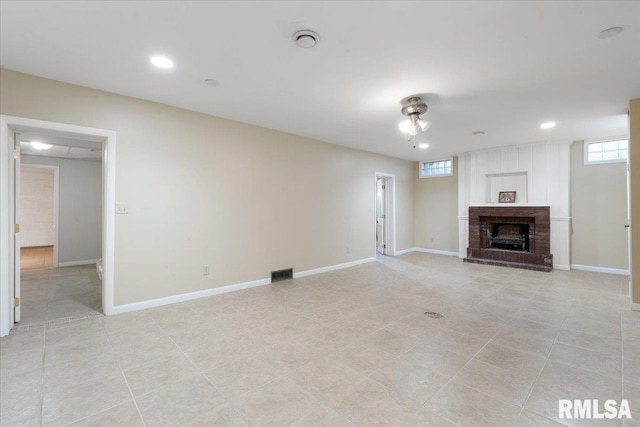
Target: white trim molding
[
  {"x": 7, "y": 188},
  {"x": 333, "y": 267},
  {"x": 405, "y": 251},
  {"x": 74, "y": 263},
  {"x": 437, "y": 252},
  {"x": 427, "y": 251},
  {"x": 635, "y": 306},
  {"x": 595, "y": 269},
  {"x": 158, "y": 302}
]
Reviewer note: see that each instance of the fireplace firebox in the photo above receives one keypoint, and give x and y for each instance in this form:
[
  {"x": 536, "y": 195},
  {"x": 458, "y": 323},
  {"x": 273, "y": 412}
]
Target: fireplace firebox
[{"x": 517, "y": 236}]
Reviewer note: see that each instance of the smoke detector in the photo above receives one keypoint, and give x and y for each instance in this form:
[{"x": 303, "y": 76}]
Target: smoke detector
[{"x": 305, "y": 38}]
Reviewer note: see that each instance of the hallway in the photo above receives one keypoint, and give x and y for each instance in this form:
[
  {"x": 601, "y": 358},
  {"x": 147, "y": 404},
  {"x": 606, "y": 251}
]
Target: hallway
[{"x": 57, "y": 295}]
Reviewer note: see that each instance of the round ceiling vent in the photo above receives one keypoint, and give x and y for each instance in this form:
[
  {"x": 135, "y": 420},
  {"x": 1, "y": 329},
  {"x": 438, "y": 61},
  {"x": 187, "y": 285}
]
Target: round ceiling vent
[{"x": 306, "y": 38}]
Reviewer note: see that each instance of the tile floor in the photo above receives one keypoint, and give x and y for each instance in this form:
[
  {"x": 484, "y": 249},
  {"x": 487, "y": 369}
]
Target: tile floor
[
  {"x": 52, "y": 295},
  {"x": 345, "y": 348}
]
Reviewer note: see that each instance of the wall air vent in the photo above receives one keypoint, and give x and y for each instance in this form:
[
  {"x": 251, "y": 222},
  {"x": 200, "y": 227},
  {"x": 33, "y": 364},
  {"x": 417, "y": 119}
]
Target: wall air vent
[{"x": 277, "y": 276}]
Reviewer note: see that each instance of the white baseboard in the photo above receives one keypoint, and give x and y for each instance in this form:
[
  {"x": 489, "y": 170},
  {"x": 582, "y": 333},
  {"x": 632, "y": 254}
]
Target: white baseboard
[
  {"x": 74, "y": 263},
  {"x": 595, "y": 269},
  {"x": 158, "y": 302},
  {"x": 428, "y": 251},
  {"x": 333, "y": 267},
  {"x": 405, "y": 251},
  {"x": 436, "y": 251},
  {"x": 561, "y": 267}
]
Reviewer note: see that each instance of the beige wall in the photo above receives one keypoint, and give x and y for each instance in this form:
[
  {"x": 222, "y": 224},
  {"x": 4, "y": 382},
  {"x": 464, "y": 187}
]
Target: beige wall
[
  {"x": 599, "y": 212},
  {"x": 203, "y": 190},
  {"x": 79, "y": 207},
  {"x": 36, "y": 207},
  {"x": 436, "y": 211},
  {"x": 634, "y": 169}
]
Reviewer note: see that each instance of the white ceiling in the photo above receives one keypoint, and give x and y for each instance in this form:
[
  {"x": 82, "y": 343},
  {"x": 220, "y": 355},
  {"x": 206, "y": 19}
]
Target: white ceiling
[
  {"x": 66, "y": 146},
  {"x": 502, "y": 67}
]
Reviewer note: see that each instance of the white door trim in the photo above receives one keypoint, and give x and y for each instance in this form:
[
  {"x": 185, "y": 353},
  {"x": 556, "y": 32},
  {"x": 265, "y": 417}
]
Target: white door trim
[
  {"x": 56, "y": 203},
  {"x": 7, "y": 188},
  {"x": 390, "y": 225}
]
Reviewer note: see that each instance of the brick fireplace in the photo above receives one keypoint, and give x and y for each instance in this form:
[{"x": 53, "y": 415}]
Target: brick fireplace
[{"x": 510, "y": 236}]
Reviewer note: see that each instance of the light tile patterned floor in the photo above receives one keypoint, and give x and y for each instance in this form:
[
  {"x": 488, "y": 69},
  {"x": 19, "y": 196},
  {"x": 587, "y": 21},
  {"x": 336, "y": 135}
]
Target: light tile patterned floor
[
  {"x": 351, "y": 347},
  {"x": 50, "y": 295}
]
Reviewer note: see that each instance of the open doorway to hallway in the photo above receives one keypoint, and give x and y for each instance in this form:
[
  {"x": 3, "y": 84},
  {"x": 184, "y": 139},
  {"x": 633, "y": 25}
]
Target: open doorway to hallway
[
  {"x": 385, "y": 231},
  {"x": 60, "y": 216},
  {"x": 38, "y": 202}
]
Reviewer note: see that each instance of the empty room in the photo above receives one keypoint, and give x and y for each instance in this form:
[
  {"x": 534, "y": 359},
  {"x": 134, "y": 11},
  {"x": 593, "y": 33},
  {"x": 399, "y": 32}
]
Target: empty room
[{"x": 288, "y": 213}]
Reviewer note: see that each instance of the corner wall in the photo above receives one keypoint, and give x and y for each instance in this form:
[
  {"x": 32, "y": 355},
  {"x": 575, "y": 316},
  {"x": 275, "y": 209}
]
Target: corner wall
[
  {"x": 36, "y": 207},
  {"x": 634, "y": 191},
  {"x": 80, "y": 207},
  {"x": 436, "y": 211},
  {"x": 599, "y": 212},
  {"x": 202, "y": 190}
]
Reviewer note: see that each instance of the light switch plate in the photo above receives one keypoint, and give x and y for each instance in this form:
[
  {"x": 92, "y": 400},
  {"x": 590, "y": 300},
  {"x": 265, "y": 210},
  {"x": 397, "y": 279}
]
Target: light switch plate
[{"x": 122, "y": 208}]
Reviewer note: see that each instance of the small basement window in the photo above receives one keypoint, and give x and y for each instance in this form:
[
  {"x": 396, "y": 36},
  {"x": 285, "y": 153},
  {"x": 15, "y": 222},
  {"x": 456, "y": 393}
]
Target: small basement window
[
  {"x": 606, "y": 151},
  {"x": 438, "y": 168}
]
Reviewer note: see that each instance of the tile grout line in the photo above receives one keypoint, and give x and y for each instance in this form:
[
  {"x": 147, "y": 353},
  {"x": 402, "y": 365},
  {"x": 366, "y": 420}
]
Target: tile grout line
[
  {"x": 200, "y": 372},
  {"x": 44, "y": 355},
  {"x": 123, "y": 375},
  {"x": 460, "y": 370},
  {"x": 524, "y": 403}
]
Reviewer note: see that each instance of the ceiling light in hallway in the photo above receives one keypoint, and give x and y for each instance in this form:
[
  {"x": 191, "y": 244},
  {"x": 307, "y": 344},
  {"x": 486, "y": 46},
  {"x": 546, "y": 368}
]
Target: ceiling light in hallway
[
  {"x": 162, "y": 62},
  {"x": 40, "y": 145},
  {"x": 548, "y": 125}
]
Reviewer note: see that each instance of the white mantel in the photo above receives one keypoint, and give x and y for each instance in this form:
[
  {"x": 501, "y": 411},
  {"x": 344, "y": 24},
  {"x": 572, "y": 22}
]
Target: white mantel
[{"x": 539, "y": 173}]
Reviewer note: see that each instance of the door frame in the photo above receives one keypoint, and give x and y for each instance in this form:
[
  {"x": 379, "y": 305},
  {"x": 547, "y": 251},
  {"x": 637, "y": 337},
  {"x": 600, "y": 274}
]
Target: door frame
[
  {"x": 56, "y": 203},
  {"x": 7, "y": 192},
  {"x": 390, "y": 215}
]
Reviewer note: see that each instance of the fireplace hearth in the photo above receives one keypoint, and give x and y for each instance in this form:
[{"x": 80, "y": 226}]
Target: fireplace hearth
[{"x": 514, "y": 236}]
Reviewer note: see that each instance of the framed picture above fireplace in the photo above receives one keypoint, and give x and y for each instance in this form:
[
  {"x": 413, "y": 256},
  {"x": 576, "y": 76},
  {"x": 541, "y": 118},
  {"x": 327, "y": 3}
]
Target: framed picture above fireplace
[{"x": 507, "y": 197}]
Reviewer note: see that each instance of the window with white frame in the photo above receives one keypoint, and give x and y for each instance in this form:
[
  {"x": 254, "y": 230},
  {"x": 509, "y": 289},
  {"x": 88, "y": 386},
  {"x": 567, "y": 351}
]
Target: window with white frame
[
  {"x": 438, "y": 168},
  {"x": 606, "y": 151}
]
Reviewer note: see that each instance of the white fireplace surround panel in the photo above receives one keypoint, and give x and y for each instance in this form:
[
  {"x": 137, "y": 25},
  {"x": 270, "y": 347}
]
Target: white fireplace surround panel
[{"x": 539, "y": 171}]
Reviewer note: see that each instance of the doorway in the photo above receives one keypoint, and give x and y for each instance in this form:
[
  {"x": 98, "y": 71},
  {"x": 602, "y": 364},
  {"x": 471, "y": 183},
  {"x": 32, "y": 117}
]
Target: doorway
[
  {"x": 10, "y": 214},
  {"x": 385, "y": 226},
  {"x": 69, "y": 288},
  {"x": 39, "y": 187}
]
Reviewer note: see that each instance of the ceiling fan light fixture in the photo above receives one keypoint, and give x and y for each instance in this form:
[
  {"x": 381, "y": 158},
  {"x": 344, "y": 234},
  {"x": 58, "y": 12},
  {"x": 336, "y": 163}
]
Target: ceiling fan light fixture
[
  {"x": 424, "y": 124},
  {"x": 404, "y": 126},
  {"x": 415, "y": 124}
]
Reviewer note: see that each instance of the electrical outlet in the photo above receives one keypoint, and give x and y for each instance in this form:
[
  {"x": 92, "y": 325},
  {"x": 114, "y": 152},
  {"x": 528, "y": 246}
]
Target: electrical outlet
[
  {"x": 205, "y": 270},
  {"x": 122, "y": 208}
]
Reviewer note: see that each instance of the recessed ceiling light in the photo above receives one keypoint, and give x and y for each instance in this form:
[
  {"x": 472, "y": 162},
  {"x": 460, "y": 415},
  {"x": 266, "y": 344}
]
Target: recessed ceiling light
[
  {"x": 305, "y": 38},
  {"x": 212, "y": 82},
  {"x": 162, "y": 62},
  {"x": 40, "y": 145},
  {"x": 423, "y": 146},
  {"x": 548, "y": 125},
  {"x": 609, "y": 32}
]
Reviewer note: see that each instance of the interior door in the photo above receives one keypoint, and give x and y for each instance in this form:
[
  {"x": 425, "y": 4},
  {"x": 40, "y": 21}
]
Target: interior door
[
  {"x": 380, "y": 215},
  {"x": 16, "y": 221},
  {"x": 628, "y": 224}
]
